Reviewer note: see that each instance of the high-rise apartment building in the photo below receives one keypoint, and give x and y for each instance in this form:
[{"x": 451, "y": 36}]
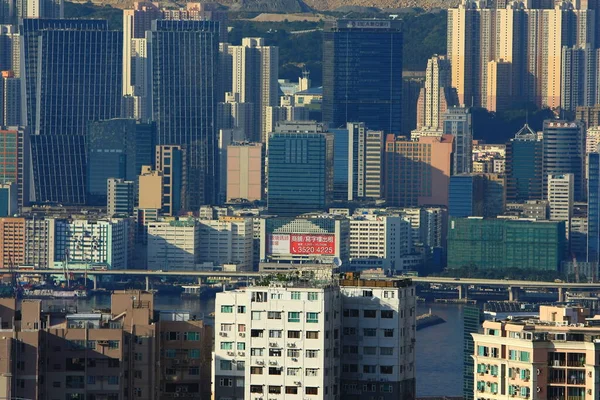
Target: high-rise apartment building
[
  {"x": 15, "y": 161},
  {"x": 110, "y": 354},
  {"x": 47, "y": 9},
  {"x": 564, "y": 153},
  {"x": 120, "y": 197},
  {"x": 287, "y": 111},
  {"x": 476, "y": 195},
  {"x": 362, "y": 74},
  {"x": 499, "y": 86},
  {"x": 589, "y": 115},
  {"x": 516, "y": 35},
  {"x": 417, "y": 173},
  {"x": 458, "y": 123},
  {"x": 365, "y": 162},
  {"x": 245, "y": 171},
  {"x": 580, "y": 76},
  {"x": 436, "y": 96},
  {"x": 524, "y": 167},
  {"x": 10, "y": 51},
  {"x": 553, "y": 356},
  {"x": 471, "y": 324},
  {"x": 184, "y": 112},
  {"x": 560, "y": 197},
  {"x": 329, "y": 341},
  {"x": 10, "y": 99},
  {"x": 233, "y": 114},
  {"x": 300, "y": 168},
  {"x": 63, "y": 94},
  {"x": 255, "y": 73}
]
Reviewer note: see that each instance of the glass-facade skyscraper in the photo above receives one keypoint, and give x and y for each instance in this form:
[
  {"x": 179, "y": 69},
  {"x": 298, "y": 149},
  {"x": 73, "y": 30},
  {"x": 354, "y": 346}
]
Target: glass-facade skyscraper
[
  {"x": 524, "y": 167},
  {"x": 362, "y": 74},
  {"x": 593, "y": 230},
  {"x": 184, "y": 60},
  {"x": 300, "y": 175},
  {"x": 116, "y": 148}
]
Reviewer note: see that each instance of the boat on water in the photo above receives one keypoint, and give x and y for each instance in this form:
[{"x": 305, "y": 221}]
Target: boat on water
[
  {"x": 200, "y": 291},
  {"x": 54, "y": 294}
]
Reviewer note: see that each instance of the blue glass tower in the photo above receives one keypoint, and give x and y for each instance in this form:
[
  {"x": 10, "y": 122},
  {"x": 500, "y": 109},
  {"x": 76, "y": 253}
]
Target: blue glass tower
[
  {"x": 340, "y": 164},
  {"x": 524, "y": 167},
  {"x": 300, "y": 175},
  {"x": 184, "y": 58},
  {"x": 77, "y": 80},
  {"x": 593, "y": 234},
  {"x": 362, "y": 74},
  {"x": 465, "y": 196}
]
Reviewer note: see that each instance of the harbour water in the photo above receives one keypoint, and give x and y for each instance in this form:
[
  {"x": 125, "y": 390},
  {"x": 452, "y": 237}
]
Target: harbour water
[{"x": 439, "y": 355}]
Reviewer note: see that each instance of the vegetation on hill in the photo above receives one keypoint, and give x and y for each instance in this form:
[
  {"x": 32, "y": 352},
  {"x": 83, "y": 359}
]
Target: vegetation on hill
[
  {"x": 89, "y": 10},
  {"x": 501, "y": 127}
]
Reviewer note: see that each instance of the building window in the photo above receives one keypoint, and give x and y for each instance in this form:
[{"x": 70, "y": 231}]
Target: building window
[
  {"x": 293, "y": 334},
  {"x": 113, "y": 380},
  {"x": 256, "y": 389},
  {"x": 91, "y": 380},
  {"x": 113, "y": 344},
  {"x": 241, "y": 365},
  {"x": 370, "y": 350},
  {"x": 312, "y": 317},
  {"x": 512, "y": 354},
  {"x": 388, "y": 333},
  {"x": 256, "y": 352},
  {"x": 194, "y": 371},
  {"x": 241, "y": 346},
  {"x": 225, "y": 365},
  {"x": 172, "y": 336},
  {"x": 388, "y": 294},
  {"x": 274, "y": 315},
  {"x": 312, "y": 353},
  {"x": 259, "y": 297},
  {"x": 274, "y": 389},
  {"x": 387, "y": 388},
  {"x": 312, "y": 334},
  {"x": 293, "y": 316},
  {"x": 170, "y": 353},
  {"x": 226, "y": 345},
  {"x": 256, "y": 370},
  {"x": 240, "y": 309},
  {"x": 291, "y": 390},
  {"x": 367, "y": 293},
  {"x": 524, "y": 356},
  {"x": 255, "y": 315},
  {"x": 226, "y": 327},
  {"x": 193, "y": 353},
  {"x": 241, "y": 328},
  {"x": 191, "y": 336},
  {"x": 274, "y": 352},
  {"x": 370, "y": 313},
  {"x": 386, "y": 369},
  {"x": 293, "y": 353},
  {"x": 226, "y": 309},
  {"x": 274, "y": 370},
  {"x": 226, "y": 382},
  {"x": 349, "y": 331},
  {"x": 313, "y": 296},
  {"x": 311, "y": 390},
  {"x": 351, "y": 313},
  {"x": 275, "y": 334},
  {"x": 312, "y": 372},
  {"x": 370, "y": 369},
  {"x": 239, "y": 382},
  {"x": 386, "y": 351},
  {"x": 256, "y": 333},
  {"x": 387, "y": 314},
  {"x": 296, "y": 296},
  {"x": 293, "y": 371},
  {"x": 370, "y": 332}
]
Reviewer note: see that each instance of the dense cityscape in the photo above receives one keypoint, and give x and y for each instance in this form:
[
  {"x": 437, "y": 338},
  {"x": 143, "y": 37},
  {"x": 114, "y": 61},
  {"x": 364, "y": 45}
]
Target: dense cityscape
[{"x": 207, "y": 201}]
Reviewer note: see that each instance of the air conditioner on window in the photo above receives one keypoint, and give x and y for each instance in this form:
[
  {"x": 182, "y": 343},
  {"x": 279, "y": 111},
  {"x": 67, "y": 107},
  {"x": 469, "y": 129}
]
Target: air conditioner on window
[
  {"x": 231, "y": 353},
  {"x": 294, "y": 359},
  {"x": 260, "y": 362},
  {"x": 241, "y": 353},
  {"x": 242, "y": 334},
  {"x": 298, "y": 383},
  {"x": 272, "y": 362},
  {"x": 291, "y": 344}
]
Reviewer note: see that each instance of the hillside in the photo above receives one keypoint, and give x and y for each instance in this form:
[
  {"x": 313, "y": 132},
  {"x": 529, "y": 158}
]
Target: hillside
[{"x": 293, "y": 6}]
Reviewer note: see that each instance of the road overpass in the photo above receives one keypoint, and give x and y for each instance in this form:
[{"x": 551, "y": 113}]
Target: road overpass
[{"x": 513, "y": 286}]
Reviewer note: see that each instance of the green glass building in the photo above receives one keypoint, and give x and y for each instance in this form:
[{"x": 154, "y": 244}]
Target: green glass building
[
  {"x": 505, "y": 243},
  {"x": 471, "y": 324}
]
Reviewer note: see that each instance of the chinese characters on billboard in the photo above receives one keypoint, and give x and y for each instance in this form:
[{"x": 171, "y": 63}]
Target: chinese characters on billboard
[{"x": 302, "y": 244}]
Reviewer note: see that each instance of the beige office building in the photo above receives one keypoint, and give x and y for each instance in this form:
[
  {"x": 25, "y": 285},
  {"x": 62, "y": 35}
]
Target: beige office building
[
  {"x": 150, "y": 188},
  {"x": 245, "y": 171}
]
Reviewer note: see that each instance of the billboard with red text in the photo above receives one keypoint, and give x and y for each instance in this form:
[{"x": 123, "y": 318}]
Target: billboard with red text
[{"x": 301, "y": 244}]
